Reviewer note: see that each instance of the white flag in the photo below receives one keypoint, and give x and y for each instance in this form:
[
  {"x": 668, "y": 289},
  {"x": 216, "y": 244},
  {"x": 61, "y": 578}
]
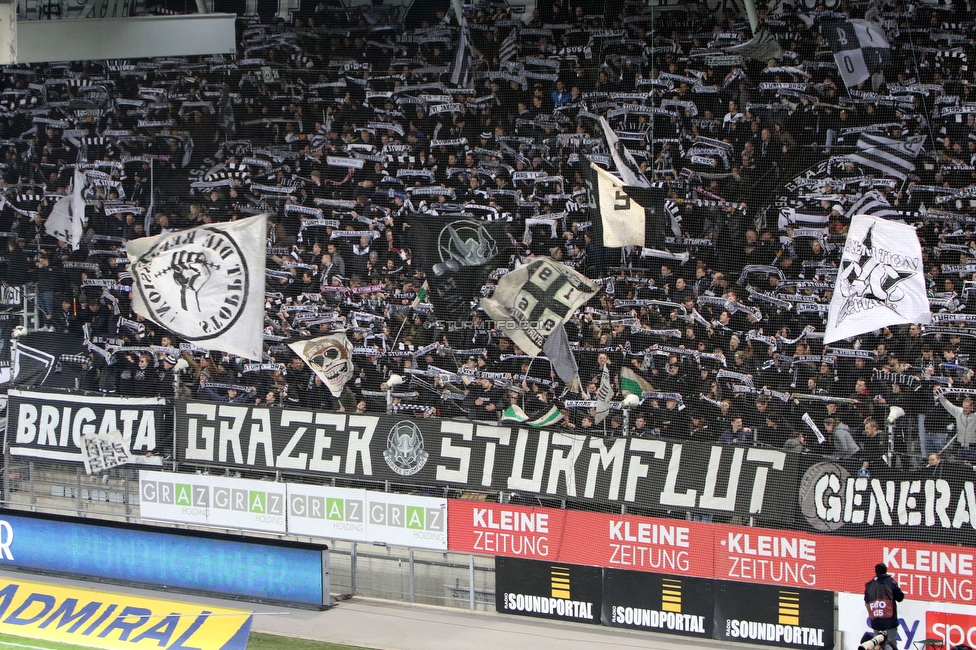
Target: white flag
[
  {"x": 603, "y": 397},
  {"x": 880, "y": 281},
  {"x": 103, "y": 451},
  {"x": 860, "y": 48},
  {"x": 206, "y": 284},
  {"x": 531, "y": 300},
  {"x": 67, "y": 219},
  {"x": 623, "y": 219},
  {"x": 625, "y": 162},
  {"x": 762, "y": 47},
  {"x": 329, "y": 357}
]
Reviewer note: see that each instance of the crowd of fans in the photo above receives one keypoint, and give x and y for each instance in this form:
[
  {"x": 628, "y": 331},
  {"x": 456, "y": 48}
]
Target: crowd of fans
[{"x": 345, "y": 125}]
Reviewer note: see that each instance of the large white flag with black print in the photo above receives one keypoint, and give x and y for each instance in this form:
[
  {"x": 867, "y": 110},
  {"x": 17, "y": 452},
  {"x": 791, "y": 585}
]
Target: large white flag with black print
[
  {"x": 206, "y": 284},
  {"x": 881, "y": 281}
]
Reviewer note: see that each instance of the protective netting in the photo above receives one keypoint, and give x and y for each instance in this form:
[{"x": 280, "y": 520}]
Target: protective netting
[{"x": 436, "y": 190}]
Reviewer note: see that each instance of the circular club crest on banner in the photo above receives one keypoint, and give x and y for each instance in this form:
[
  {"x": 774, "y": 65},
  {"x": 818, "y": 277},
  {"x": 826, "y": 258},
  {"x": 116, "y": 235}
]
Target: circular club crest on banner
[
  {"x": 194, "y": 283},
  {"x": 405, "y": 449},
  {"x": 823, "y": 512}
]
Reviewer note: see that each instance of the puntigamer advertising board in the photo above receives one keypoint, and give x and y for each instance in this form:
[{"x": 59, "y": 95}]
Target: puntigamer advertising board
[{"x": 295, "y": 508}]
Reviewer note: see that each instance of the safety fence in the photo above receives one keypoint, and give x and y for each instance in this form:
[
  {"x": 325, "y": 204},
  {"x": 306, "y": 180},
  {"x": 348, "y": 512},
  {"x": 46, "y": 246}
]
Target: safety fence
[
  {"x": 665, "y": 575},
  {"x": 380, "y": 569},
  {"x": 439, "y": 511},
  {"x": 650, "y": 476}
]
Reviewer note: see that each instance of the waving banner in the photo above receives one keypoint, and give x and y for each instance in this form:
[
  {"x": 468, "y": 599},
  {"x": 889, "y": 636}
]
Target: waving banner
[
  {"x": 530, "y": 301},
  {"x": 880, "y": 282},
  {"x": 206, "y": 284},
  {"x": 329, "y": 357}
]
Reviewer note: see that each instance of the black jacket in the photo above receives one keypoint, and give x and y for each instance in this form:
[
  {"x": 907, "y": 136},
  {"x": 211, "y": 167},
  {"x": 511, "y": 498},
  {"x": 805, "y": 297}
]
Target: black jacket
[{"x": 883, "y": 588}]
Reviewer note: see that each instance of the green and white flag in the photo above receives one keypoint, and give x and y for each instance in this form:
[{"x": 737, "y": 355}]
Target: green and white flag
[
  {"x": 515, "y": 414},
  {"x": 632, "y": 383},
  {"x": 421, "y": 296}
]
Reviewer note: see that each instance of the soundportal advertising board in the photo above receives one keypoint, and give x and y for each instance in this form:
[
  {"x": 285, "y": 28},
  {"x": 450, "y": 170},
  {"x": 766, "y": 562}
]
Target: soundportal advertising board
[
  {"x": 312, "y": 510},
  {"x": 658, "y": 603},
  {"x": 699, "y": 607}
]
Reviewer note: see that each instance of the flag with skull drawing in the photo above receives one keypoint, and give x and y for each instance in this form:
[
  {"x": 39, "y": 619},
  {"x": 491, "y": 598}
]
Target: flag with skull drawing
[{"x": 329, "y": 357}]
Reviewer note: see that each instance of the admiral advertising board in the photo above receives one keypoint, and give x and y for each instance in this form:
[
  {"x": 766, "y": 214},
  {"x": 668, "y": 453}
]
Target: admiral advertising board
[
  {"x": 313, "y": 510},
  {"x": 104, "y": 619},
  {"x": 953, "y": 624},
  {"x": 658, "y": 603},
  {"x": 547, "y": 590},
  {"x": 777, "y": 616},
  {"x": 787, "y": 559},
  {"x": 50, "y": 426},
  {"x": 463, "y": 455}
]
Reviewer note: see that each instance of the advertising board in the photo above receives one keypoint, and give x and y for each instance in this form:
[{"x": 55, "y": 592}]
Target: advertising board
[
  {"x": 219, "y": 501},
  {"x": 788, "y": 559},
  {"x": 103, "y": 619},
  {"x": 768, "y": 615},
  {"x": 255, "y": 569},
  {"x": 367, "y": 516},
  {"x": 953, "y": 623},
  {"x": 658, "y": 603},
  {"x": 545, "y": 590}
]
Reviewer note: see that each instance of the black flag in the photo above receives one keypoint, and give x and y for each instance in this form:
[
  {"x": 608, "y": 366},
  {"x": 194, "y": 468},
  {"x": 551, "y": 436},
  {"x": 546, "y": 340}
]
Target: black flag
[{"x": 457, "y": 254}]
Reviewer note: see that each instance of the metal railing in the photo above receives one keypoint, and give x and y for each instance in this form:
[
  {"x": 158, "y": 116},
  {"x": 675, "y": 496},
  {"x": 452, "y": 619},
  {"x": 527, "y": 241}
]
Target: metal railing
[{"x": 357, "y": 569}]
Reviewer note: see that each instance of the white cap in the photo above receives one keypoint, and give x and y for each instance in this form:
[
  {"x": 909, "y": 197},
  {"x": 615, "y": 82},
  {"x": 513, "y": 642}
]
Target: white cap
[{"x": 839, "y": 208}]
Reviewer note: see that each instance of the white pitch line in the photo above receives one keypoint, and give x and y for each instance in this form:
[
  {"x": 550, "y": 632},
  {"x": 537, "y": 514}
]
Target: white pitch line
[{"x": 10, "y": 644}]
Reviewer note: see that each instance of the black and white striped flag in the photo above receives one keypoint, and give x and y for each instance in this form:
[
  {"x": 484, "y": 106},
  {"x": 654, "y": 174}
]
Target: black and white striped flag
[
  {"x": 874, "y": 203},
  {"x": 508, "y": 50},
  {"x": 886, "y": 155}
]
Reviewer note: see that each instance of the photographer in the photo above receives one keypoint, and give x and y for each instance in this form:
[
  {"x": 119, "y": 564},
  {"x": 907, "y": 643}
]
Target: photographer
[{"x": 881, "y": 595}]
